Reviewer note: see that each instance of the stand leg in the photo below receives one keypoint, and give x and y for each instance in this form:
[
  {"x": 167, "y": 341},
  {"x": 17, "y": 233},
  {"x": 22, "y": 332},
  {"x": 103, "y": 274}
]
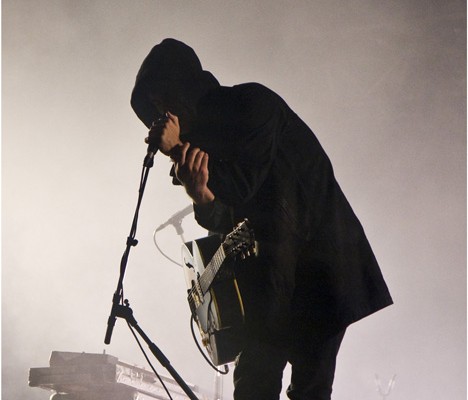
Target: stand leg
[{"x": 127, "y": 313}]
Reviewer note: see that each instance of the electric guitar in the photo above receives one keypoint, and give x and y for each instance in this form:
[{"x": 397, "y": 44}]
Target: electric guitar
[{"x": 213, "y": 294}]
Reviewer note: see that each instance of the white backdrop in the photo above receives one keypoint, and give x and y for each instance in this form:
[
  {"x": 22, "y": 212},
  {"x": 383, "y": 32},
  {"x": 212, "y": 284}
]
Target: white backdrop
[{"x": 381, "y": 83}]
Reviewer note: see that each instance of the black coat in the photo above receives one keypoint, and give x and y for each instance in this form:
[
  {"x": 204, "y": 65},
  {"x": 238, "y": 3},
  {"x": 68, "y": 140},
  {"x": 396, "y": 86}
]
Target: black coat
[
  {"x": 315, "y": 270},
  {"x": 315, "y": 266}
]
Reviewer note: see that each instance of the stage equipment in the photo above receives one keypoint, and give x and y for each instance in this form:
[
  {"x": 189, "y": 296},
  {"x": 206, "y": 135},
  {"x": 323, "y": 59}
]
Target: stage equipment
[{"x": 88, "y": 376}]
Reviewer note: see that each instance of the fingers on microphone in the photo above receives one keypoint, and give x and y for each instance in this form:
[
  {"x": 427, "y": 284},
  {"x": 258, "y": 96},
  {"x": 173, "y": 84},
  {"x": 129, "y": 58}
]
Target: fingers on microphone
[
  {"x": 183, "y": 152},
  {"x": 172, "y": 117},
  {"x": 199, "y": 160},
  {"x": 204, "y": 164},
  {"x": 190, "y": 158}
]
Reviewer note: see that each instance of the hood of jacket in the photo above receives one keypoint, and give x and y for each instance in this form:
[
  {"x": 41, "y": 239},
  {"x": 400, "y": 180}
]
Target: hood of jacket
[{"x": 171, "y": 69}]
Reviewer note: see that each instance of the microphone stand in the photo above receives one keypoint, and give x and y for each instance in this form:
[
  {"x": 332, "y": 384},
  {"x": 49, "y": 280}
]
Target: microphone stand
[
  {"x": 126, "y": 312},
  {"x": 179, "y": 230},
  {"x": 120, "y": 308}
]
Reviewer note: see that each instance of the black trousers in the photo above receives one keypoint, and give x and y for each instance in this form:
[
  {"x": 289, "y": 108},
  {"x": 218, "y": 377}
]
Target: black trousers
[{"x": 259, "y": 369}]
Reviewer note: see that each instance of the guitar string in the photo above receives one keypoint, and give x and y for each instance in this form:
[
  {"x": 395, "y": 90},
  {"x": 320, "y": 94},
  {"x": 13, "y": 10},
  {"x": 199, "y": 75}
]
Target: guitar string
[
  {"x": 218, "y": 258},
  {"x": 209, "y": 269}
]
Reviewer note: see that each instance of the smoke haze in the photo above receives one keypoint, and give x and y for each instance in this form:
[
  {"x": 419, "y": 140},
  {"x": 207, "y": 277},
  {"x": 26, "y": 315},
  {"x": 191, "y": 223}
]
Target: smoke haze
[{"x": 381, "y": 83}]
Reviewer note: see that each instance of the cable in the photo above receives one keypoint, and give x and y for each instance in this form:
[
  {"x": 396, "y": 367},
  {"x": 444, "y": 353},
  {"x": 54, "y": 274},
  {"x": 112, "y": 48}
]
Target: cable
[
  {"x": 226, "y": 368},
  {"x": 148, "y": 361},
  {"x": 162, "y": 253}
]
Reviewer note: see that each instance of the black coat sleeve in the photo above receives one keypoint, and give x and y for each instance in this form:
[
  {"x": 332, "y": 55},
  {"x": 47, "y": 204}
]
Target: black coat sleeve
[{"x": 215, "y": 216}]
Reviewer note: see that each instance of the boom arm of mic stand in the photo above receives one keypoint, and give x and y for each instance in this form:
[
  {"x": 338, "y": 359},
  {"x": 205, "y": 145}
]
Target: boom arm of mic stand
[{"x": 126, "y": 313}]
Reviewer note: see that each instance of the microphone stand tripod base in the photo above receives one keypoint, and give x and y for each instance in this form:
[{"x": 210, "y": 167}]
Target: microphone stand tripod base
[{"x": 125, "y": 312}]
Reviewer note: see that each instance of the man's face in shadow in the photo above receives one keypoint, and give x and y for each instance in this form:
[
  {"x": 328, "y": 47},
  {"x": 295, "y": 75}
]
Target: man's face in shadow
[{"x": 171, "y": 96}]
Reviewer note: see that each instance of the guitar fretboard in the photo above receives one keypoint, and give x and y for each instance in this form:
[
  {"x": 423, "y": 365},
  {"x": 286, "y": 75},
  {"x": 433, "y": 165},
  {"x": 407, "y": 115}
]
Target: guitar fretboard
[{"x": 212, "y": 269}]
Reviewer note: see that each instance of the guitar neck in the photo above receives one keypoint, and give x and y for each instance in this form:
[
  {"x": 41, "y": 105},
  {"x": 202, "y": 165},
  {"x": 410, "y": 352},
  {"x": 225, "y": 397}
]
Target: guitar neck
[{"x": 206, "y": 278}]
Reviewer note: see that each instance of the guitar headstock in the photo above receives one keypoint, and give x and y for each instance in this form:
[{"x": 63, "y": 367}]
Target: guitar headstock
[{"x": 241, "y": 241}]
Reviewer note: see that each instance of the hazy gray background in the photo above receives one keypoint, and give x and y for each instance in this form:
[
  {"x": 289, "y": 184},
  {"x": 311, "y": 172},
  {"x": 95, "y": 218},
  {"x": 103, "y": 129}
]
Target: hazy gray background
[{"x": 381, "y": 83}]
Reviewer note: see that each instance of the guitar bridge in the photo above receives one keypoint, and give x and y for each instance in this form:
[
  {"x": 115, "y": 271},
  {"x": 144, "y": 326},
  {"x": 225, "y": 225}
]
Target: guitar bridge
[{"x": 195, "y": 294}]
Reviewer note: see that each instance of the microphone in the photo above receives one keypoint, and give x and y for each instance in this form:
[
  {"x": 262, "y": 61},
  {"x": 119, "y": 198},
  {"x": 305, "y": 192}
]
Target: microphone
[
  {"x": 153, "y": 148},
  {"x": 176, "y": 218},
  {"x": 149, "y": 158}
]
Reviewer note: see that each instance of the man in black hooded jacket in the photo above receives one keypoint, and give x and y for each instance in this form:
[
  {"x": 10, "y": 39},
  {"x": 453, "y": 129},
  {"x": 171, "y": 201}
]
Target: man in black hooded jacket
[{"x": 241, "y": 152}]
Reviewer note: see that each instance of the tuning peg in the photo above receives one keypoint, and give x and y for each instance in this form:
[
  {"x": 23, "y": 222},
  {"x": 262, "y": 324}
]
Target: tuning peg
[{"x": 254, "y": 249}]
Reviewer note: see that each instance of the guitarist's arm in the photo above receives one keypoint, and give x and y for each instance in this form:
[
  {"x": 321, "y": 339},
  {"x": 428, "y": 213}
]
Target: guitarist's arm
[
  {"x": 191, "y": 163},
  {"x": 191, "y": 168}
]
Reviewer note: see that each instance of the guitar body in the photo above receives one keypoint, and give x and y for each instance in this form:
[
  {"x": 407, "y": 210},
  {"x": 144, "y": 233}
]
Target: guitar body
[{"x": 219, "y": 311}]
